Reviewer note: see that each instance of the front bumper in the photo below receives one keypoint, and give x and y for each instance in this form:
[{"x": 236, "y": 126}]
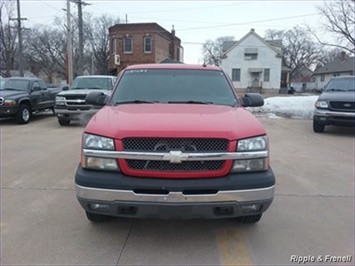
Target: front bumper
[
  {"x": 124, "y": 196},
  {"x": 73, "y": 113},
  {"x": 328, "y": 117},
  {"x": 7, "y": 111}
]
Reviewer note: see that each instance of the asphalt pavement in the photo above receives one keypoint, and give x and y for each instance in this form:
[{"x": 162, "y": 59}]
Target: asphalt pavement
[{"x": 311, "y": 217}]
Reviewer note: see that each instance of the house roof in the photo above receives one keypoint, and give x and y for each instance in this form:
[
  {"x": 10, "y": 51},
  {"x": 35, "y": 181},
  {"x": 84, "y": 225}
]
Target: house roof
[
  {"x": 337, "y": 66},
  {"x": 270, "y": 44},
  {"x": 153, "y": 26}
]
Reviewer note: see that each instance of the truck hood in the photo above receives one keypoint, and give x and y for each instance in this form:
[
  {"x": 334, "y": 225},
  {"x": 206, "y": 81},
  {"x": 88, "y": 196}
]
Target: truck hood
[
  {"x": 174, "y": 120},
  {"x": 342, "y": 96},
  {"x": 82, "y": 92},
  {"x": 12, "y": 94}
]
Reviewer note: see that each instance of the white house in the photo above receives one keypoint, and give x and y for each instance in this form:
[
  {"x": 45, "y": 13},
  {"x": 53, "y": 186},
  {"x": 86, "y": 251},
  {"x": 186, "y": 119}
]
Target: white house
[
  {"x": 342, "y": 66},
  {"x": 253, "y": 62}
]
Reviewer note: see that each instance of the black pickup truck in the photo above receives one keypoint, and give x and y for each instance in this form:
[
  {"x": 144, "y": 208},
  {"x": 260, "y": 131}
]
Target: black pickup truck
[{"x": 20, "y": 97}]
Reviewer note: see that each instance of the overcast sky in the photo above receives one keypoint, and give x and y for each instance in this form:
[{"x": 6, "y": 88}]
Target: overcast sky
[{"x": 194, "y": 21}]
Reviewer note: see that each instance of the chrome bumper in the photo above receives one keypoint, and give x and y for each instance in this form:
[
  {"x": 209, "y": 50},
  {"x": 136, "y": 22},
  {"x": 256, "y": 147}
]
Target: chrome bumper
[
  {"x": 328, "y": 113},
  {"x": 108, "y": 195}
]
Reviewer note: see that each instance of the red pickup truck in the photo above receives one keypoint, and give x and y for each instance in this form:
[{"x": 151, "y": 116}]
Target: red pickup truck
[{"x": 174, "y": 141}]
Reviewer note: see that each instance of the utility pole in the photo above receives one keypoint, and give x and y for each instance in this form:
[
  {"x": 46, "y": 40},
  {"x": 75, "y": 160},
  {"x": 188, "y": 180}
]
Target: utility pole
[
  {"x": 80, "y": 4},
  {"x": 69, "y": 47},
  {"x": 19, "y": 29}
]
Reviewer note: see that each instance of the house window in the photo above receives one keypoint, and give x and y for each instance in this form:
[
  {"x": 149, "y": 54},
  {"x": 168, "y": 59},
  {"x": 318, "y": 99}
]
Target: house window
[
  {"x": 322, "y": 77},
  {"x": 147, "y": 44},
  {"x": 336, "y": 74},
  {"x": 250, "y": 56},
  {"x": 236, "y": 74},
  {"x": 127, "y": 45},
  {"x": 251, "y": 53},
  {"x": 267, "y": 74}
]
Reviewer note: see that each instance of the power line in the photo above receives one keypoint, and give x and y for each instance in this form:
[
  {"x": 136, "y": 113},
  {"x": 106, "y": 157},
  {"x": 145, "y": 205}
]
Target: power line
[
  {"x": 249, "y": 22},
  {"x": 191, "y": 8}
]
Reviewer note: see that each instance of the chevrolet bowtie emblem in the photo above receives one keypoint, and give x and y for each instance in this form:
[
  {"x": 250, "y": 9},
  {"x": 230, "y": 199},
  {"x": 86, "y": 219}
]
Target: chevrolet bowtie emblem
[{"x": 175, "y": 157}]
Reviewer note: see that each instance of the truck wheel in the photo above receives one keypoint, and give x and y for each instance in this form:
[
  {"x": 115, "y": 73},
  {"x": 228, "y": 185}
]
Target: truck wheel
[
  {"x": 317, "y": 127},
  {"x": 250, "y": 218},
  {"x": 97, "y": 218},
  {"x": 24, "y": 114},
  {"x": 63, "y": 122}
]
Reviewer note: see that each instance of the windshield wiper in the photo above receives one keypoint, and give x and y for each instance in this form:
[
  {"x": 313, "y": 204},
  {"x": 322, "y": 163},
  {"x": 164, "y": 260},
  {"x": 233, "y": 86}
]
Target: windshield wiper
[
  {"x": 11, "y": 89},
  {"x": 335, "y": 90},
  {"x": 191, "y": 102},
  {"x": 135, "y": 101}
]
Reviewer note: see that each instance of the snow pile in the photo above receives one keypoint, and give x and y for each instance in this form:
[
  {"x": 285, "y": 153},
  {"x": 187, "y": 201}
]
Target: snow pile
[{"x": 301, "y": 107}]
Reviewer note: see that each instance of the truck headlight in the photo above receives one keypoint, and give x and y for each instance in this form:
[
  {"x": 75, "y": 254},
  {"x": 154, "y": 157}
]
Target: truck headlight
[
  {"x": 321, "y": 104},
  {"x": 98, "y": 143},
  {"x": 250, "y": 145},
  {"x": 9, "y": 102},
  {"x": 253, "y": 144},
  {"x": 59, "y": 100}
]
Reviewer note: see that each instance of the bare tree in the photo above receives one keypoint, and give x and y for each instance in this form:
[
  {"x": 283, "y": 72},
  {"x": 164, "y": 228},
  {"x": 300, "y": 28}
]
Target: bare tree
[
  {"x": 298, "y": 48},
  {"x": 46, "y": 50},
  {"x": 97, "y": 42},
  {"x": 339, "y": 18},
  {"x": 8, "y": 35},
  {"x": 327, "y": 56},
  {"x": 213, "y": 50}
]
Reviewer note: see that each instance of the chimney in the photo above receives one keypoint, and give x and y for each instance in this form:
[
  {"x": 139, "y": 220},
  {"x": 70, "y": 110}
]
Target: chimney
[
  {"x": 342, "y": 56},
  {"x": 172, "y": 43},
  {"x": 252, "y": 30}
]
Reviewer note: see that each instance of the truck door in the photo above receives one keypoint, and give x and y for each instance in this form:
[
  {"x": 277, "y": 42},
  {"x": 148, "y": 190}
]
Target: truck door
[
  {"x": 48, "y": 96},
  {"x": 36, "y": 96}
]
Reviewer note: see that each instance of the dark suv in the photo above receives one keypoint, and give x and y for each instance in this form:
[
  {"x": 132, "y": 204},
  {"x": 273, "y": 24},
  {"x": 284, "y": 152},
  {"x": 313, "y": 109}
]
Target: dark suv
[{"x": 336, "y": 105}]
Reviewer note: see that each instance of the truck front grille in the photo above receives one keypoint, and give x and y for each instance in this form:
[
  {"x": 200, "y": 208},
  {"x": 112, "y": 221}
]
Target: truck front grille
[
  {"x": 342, "y": 106},
  {"x": 190, "y": 166},
  {"x": 172, "y": 144},
  {"x": 191, "y": 145},
  {"x": 76, "y": 99}
]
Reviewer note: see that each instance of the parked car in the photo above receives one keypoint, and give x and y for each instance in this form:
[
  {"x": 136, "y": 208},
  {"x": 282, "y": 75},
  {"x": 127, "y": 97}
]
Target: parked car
[
  {"x": 70, "y": 103},
  {"x": 174, "y": 141},
  {"x": 20, "y": 97},
  {"x": 336, "y": 105}
]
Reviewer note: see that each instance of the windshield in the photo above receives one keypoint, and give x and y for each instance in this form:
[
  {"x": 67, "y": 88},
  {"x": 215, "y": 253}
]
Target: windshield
[
  {"x": 15, "y": 84},
  {"x": 92, "y": 83},
  {"x": 173, "y": 86},
  {"x": 341, "y": 84}
]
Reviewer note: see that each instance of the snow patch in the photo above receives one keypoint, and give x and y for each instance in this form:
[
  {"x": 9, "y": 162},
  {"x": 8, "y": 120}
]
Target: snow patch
[{"x": 301, "y": 107}]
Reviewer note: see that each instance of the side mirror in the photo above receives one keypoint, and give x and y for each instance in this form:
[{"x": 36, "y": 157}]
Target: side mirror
[
  {"x": 36, "y": 89},
  {"x": 252, "y": 100},
  {"x": 65, "y": 88},
  {"x": 96, "y": 98}
]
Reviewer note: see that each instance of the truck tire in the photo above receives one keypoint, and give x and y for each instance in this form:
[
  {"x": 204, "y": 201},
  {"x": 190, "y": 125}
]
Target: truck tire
[
  {"x": 317, "y": 127},
  {"x": 97, "y": 218},
  {"x": 24, "y": 114},
  {"x": 249, "y": 219},
  {"x": 63, "y": 122}
]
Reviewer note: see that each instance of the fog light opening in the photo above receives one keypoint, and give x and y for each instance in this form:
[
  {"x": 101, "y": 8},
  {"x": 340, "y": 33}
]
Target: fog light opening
[
  {"x": 223, "y": 210},
  {"x": 251, "y": 208},
  {"x": 99, "y": 207}
]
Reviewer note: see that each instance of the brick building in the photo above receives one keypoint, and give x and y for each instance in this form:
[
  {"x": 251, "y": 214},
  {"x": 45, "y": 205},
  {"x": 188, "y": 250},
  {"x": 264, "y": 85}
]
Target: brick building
[{"x": 140, "y": 43}]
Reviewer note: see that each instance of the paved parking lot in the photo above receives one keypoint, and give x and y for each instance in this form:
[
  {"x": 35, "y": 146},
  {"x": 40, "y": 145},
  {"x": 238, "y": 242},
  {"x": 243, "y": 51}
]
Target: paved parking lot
[{"x": 42, "y": 223}]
